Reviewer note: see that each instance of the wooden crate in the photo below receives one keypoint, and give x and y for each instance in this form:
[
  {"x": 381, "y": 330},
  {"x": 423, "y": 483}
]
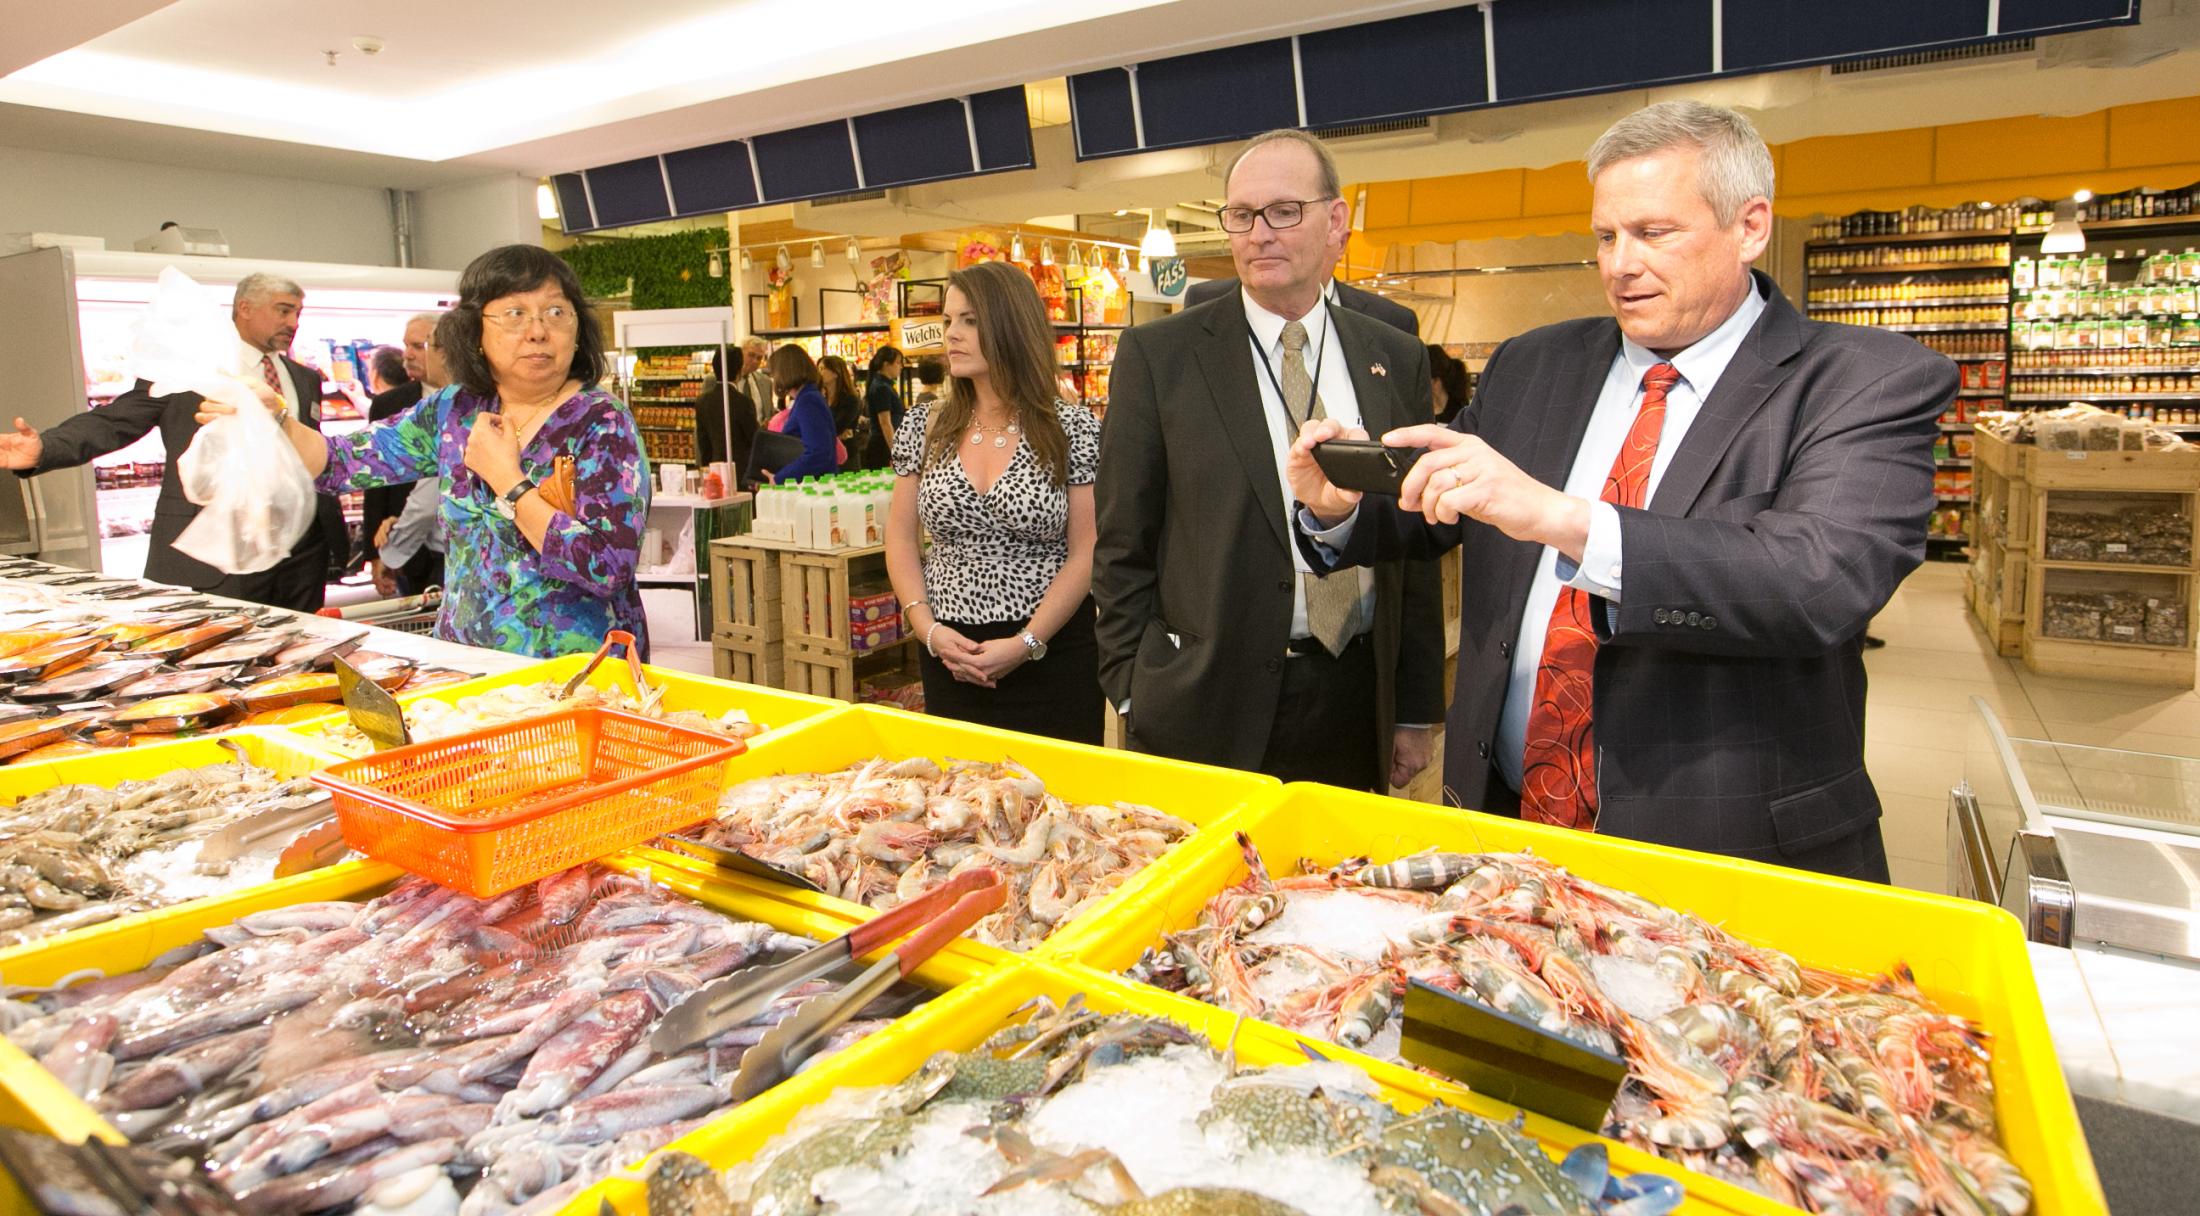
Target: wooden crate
[
  {"x": 734, "y": 657},
  {"x": 2128, "y": 662},
  {"x": 2169, "y": 471},
  {"x": 814, "y": 593},
  {"x": 839, "y": 674},
  {"x": 746, "y": 575}
]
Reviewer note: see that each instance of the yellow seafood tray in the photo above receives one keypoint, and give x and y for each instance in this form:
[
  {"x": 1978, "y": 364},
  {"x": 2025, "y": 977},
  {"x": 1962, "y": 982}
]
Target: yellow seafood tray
[
  {"x": 1196, "y": 793},
  {"x": 767, "y": 707},
  {"x": 31, "y": 1097},
  {"x": 971, "y": 1014},
  {"x": 1968, "y": 956},
  {"x": 278, "y": 751}
]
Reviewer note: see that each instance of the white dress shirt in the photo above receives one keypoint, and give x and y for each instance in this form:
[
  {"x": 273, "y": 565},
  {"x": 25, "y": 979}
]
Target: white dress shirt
[
  {"x": 248, "y": 366},
  {"x": 1700, "y": 367},
  {"x": 1340, "y": 401}
]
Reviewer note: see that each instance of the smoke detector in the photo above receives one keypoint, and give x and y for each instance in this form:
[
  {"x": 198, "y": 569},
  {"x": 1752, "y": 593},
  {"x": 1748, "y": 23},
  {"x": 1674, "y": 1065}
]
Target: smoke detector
[{"x": 367, "y": 44}]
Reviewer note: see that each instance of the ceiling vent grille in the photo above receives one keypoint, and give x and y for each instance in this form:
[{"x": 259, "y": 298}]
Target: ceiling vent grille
[
  {"x": 1998, "y": 49},
  {"x": 861, "y": 196},
  {"x": 1389, "y": 128}
]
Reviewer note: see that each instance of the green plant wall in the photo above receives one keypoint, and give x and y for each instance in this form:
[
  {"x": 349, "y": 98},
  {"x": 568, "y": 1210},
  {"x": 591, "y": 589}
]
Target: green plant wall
[{"x": 670, "y": 271}]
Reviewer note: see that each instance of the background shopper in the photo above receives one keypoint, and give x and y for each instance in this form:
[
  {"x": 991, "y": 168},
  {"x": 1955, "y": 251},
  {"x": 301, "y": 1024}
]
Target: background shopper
[
  {"x": 805, "y": 416},
  {"x": 931, "y": 375},
  {"x": 999, "y": 474},
  {"x": 526, "y": 358},
  {"x": 756, "y": 377},
  {"x": 719, "y": 404},
  {"x": 265, "y": 311},
  {"x": 882, "y": 406},
  {"x": 846, "y": 406},
  {"x": 1761, "y": 482},
  {"x": 1217, "y": 643},
  {"x": 383, "y": 504},
  {"x": 408, "y": 553},
  {"x": 1447, "y": 384}
]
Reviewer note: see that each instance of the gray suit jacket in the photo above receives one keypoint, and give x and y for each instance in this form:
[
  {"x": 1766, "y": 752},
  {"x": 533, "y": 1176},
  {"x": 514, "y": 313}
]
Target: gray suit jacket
[
  {"x": 1192, "y": 540},
  {"x": 1390, "y": 312},
  {"x": 1729, "y": 701}
]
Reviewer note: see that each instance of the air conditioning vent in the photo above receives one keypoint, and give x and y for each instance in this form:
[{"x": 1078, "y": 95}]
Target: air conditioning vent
[
  {"x": 2003, "y": 48},
  {"x": 861, "y": 196},
  {"x": 1387, "y": 129}
]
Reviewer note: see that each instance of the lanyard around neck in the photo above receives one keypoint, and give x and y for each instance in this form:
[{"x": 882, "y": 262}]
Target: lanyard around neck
[{"x": 1314, "y": 376}]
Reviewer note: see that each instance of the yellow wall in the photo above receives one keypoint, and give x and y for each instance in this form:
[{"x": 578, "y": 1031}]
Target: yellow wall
[{"x": 2155, "y": 144}]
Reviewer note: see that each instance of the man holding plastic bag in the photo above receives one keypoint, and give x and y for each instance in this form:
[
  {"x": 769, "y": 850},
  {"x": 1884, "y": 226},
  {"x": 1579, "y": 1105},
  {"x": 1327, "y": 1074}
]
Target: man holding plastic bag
[{"x": 228, "y": 520}]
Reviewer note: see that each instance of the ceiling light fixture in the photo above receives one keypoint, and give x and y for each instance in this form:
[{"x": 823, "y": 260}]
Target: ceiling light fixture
[
  {"x": 1123, "y": 259},
  {"x": 781, "y": 261},
  {"x": 717, "y": 266},
  {"x": 2064, "y": 235},
  {"x": 1158, "y": 242},
  {"x": 546, "y": 202},
  {"x": 1016, "y": 247},
  {"x": 855, "y": 251},
  {"x": 1076, "y": 259},
  {"x": 1046, "y": 253},
  {"x": 2082, "y": 196},
  {"x": 747, "y": 263},
  {"x": 817, "y": 255}
]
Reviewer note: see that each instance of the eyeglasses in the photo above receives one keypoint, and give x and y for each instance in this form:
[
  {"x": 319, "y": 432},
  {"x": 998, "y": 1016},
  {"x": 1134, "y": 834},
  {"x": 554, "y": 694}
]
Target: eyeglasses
[
  {"x": 1286, "y": 214},
  {"x": 555, "y": 317}
]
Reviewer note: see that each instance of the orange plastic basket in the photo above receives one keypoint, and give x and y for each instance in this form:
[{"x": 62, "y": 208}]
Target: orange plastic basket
[{"x": 486, "y": 811}]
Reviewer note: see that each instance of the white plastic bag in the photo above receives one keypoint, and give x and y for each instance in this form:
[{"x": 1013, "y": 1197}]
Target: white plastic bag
[{"x": 255, "y": 495}]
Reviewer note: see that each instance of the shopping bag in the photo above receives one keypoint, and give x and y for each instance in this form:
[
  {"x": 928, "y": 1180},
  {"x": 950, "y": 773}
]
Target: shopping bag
[{"x": 255, "y": 497}]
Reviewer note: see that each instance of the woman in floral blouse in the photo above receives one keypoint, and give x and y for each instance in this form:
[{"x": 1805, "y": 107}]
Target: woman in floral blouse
[{"x": 525, "y": 357}]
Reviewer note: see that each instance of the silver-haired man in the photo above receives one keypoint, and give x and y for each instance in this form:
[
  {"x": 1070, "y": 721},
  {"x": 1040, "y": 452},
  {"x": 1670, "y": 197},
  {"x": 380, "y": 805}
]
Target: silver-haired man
[
  {"x": 1757, "y": 482},
  {"x": 265, "y": 311}
]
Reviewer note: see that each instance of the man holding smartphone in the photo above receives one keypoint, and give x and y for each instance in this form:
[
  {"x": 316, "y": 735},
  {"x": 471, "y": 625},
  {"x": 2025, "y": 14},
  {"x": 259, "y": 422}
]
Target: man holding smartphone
[
  {"x": 1217, "y": 643},
  {"x": 1760, "y": 482}
]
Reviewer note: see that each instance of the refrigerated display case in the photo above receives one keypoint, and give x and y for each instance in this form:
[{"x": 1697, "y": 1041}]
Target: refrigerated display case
[{"x": 67, "y": 320}]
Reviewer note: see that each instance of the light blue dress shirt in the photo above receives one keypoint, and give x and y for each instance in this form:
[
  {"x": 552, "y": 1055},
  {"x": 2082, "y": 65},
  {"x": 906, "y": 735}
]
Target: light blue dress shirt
[{"x": 1700, "y": 367}]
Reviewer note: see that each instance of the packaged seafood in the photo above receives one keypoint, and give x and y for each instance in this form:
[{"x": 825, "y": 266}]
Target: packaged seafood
[
  {"x": 282, "y": 691},
  {"x": 317, "y": 653},
  {"x": 183, "y": 643},
  {"x": 254, "y": 648},
  {"x": 881, "y": 830},
  {"x": 175, "y": 683},
  {"x": 326, "y": 1056},
  {"x": 88, "y": 682},
  {"x": 429, "y": 718},
  {"x": 1072, "y": 1110},
  {"x": 184, "y": 711},
  {"x": 47, "y": 661},
  {"x": 22, "y": 641},
  {"x": 128, "y": 633},
  {"x": 79, "y": 854},
  {"x": 25, "y": 734}
]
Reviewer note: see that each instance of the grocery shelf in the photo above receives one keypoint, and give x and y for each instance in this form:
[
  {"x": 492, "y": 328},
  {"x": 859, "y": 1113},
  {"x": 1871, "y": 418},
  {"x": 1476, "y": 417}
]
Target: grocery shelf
[
  {"x": 1954, "y": 327},
  {"x": 1996, "y": 357},
  {"x": 2105, "y": 396},
  {"x": 2151, "y": 221},
  {"x": 698, "y": 375},
  {"x": 1940, "y": 302},
  {"x": 1959, "y": 462},
  {"x": 2169, "y": 369},
  {"x": 1974, "y": 394},
  {"x": 1919, "y": 268},
  {"x": 1951, "y": 498},
  {"x": 1917, "y": 238},
  {"x": 661, "y": 400},
  {"x": 1956, "y": 426},
  {"x": 2049, "y": 563}
]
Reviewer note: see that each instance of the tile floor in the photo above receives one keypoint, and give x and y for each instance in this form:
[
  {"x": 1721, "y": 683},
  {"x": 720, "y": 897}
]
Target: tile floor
[{"x": 1917, "y": 714}]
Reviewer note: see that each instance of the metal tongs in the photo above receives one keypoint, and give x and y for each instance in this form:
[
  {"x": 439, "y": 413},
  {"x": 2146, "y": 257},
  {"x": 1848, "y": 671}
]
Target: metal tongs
[
  {"x": 937, "y": 917},
  {"x": 644, "y": 692}
]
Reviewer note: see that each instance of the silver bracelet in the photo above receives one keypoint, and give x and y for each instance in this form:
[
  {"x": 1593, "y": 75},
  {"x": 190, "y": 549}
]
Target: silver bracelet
[{"x": 913, "y": 605}]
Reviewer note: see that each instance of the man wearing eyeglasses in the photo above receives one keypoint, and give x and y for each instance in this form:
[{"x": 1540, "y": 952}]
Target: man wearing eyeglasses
[
  {"x": 1217, "y": 643},
  {"x": 265, "y": 310}
]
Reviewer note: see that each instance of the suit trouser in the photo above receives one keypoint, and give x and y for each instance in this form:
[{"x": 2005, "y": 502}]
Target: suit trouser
[
  {"x": 1322, "y": 730},
  {"x": 298, "y": 582}
]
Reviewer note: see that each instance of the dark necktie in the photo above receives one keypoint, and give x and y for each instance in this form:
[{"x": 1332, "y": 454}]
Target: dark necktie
[{"x": 1558, "y": 768}]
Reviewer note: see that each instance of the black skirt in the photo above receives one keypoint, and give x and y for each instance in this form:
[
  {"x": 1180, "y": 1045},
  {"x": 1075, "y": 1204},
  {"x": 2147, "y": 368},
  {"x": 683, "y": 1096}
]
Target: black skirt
[{"x": 1058, "y": 696}]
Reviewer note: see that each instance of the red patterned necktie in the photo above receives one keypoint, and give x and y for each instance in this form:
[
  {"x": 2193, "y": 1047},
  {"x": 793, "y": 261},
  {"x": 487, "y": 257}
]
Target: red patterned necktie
[
  {"x": 267, "y": 369},
  {"x": 1558, "y": 768}
]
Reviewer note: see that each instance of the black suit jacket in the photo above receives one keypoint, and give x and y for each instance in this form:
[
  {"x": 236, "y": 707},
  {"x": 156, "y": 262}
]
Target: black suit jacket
[
  {"x": 125, "y": 420},
  {"x": 712, "y": 441},
  {"x": 1729, "y": 691},
  {"x": 1193, "y": 540},
  {"x": 387, "y": 502},
  {"x": 1390, "y": 312}
]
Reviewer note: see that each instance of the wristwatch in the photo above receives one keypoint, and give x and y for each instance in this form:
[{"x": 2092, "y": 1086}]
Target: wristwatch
[
  {"x": 1037, "y": 648},
  {"x": 508, "y": 505}
]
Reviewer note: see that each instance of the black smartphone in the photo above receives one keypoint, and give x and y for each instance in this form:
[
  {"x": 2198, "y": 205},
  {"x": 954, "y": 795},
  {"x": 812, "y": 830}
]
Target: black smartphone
[{"x": 1365, "y": 465}]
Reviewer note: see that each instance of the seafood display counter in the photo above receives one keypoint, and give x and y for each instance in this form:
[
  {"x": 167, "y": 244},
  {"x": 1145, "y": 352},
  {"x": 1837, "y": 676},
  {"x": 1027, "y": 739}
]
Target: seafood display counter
[{"x": 1188, "y": 1002}]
